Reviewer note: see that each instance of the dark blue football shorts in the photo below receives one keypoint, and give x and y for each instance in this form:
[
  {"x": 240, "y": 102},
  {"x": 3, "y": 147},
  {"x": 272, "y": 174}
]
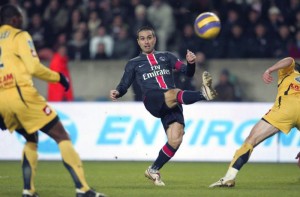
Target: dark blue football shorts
[{"x": 154, "y": 102}]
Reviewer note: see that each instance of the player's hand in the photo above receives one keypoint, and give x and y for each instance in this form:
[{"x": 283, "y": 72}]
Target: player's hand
[
  {"x": 114, "y": 95},
  {"x": 267, "y": 77},
  {"x": 298, "y": 157},
  {"x": 190, "y": 57},
  {"x": 64, "y": 81}
]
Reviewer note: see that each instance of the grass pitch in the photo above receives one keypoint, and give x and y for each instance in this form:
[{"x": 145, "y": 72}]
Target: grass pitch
[{"x": 182, "y": 179}]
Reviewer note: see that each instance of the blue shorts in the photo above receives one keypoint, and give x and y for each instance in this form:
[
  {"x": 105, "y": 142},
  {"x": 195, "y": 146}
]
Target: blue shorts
[{"x": 154, "y": 102}]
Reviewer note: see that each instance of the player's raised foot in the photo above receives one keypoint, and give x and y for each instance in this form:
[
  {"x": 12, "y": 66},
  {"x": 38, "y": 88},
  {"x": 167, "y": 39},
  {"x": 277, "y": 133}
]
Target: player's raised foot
[
  {"x": 89, "y": 193},
  {"x": 207, "y": 90},
  {"x": 154, "y": 175},
  {"x": 224, "y": 182},
  {"x": 27, "y": 193}
]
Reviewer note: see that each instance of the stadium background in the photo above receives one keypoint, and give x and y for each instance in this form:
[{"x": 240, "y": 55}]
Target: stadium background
[{"x": 92, "y": 79}]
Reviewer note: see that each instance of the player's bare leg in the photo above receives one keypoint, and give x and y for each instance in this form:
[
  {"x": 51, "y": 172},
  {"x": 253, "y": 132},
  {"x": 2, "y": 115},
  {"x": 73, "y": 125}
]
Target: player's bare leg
[
  {"x": 71, "y": 161},
  {"x": 175, "y": 134},
  {"x": 261, "y": 131}
]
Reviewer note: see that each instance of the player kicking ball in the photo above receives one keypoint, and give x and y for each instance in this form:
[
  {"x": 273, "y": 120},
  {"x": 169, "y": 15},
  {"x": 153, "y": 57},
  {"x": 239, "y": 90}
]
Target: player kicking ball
[
  {"x": 283, "y": 116},
  {"x": 153, "y": 71}
]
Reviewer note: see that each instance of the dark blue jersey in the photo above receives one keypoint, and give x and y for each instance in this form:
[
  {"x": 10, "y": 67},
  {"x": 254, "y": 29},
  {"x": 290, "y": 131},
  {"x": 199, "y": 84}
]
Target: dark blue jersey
[{"x": 153, "y": 71}]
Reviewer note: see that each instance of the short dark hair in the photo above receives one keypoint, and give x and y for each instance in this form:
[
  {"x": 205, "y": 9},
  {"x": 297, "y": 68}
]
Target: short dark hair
[
  {"x": 7, "y": 12},
  {"x": 145, "y": 28}
]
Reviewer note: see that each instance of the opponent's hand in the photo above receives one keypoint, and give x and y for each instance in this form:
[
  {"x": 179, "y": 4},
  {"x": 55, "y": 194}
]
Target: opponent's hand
[
  {"x": 190, "y": 57},
  {"x": 114, "y": 95},
  {"x": 267, "y": 77},
  {"x": 64, "y": 81},
  {"x": 298, "y": 157}
]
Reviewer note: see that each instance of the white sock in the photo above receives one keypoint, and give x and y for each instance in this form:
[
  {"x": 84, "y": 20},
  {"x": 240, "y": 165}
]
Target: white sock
[{"x": 231, "y": 173}]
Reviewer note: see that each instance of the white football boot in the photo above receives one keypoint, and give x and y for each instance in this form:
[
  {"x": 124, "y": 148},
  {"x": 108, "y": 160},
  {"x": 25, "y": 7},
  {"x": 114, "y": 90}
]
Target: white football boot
[
  {"x": 224, "y": 182},
  {"x": 154, "y": 175},
  {"x": 207, "y": 90}
]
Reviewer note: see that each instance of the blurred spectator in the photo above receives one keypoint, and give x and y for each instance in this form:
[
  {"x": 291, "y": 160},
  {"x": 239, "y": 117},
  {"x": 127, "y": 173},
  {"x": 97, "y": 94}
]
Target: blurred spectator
[
  {"x": 103, "y": 38},
  {"x": 59, "y": 63},
  {"x": 188, "y": 40},
  {"x": 39, "y": 31},
  {"x": 253, "y": 17},
  {"x": 105, "y": 12},
  {"x": 275, "y": 19},
  {"x": 75, "y": 21},
  {"x": 124, "y": 45},
  {"x": 160, "y": 14},
  {"x": 78, "y": 47},
  {"x": 233, "y": 17},
  {"x": 139, "y": 20},
  {"x": 100, "y": 54},
  {"x": 282, "y": 42},
  {"x": 117, "y": 25},
  {"x": 236, "y": 43},
  {"x": 56, "y": 17},
  {"x": 225, "y": 88},
  {"x": 259, "y": 45},
  {"x": 93, "y": 23},
  {"x": 61, "y": 39},
  {"x": 294, "y": 48}
]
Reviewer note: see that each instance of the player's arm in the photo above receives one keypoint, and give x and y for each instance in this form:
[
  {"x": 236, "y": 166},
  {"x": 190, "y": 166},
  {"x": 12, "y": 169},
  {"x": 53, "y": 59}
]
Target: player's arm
[
  {"x": 283, "y": 66},
  {"x": 189, "y": 69},
  {"x": 125, "y": 83},
  {"x": 27, "y": 53}
]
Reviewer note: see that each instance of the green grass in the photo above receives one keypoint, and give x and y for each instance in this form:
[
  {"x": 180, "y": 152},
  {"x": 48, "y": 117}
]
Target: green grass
[{"x": 183, "y": 179}]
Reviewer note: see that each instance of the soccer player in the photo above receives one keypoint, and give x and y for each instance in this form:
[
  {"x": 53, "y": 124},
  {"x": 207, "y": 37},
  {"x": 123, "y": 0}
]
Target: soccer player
[
  {"x": 153, "y": 71},
  {"x": 23, "y": 109},
  {"x": 283, "y": 116}
]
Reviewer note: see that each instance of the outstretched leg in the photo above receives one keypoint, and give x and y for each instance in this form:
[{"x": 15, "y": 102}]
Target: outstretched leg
[{"x": 261, "y": 131}]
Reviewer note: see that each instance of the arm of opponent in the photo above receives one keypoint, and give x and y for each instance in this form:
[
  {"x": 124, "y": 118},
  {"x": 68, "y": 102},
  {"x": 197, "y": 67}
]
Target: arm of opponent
[{"x": 283, "y": 66}]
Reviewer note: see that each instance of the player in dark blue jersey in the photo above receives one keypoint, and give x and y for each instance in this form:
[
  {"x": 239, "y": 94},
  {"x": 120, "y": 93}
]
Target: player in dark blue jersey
[{"x": 153, "y": 71}]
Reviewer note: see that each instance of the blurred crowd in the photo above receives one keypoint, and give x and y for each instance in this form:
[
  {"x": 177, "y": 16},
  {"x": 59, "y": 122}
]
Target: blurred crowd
[{"x": 106, "y": 29}]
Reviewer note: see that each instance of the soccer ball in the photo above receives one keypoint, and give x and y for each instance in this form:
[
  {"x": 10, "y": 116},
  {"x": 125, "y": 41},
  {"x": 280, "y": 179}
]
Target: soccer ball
[{"x": 207, "y": 25}]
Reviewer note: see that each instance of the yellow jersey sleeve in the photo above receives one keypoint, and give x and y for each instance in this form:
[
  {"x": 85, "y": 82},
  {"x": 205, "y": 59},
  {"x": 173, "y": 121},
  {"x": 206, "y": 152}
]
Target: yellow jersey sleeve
[
  {"x": 26, "y": 51},
  {"x": 286, "y": 71}
]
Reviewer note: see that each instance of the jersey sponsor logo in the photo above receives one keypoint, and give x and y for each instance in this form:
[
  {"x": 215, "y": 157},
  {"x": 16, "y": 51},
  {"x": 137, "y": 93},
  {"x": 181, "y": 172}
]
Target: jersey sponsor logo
[
  {"x": 295, "y": 87},
  {"x": 297, "y": 79},
  {"x": 47, "y": 110},
  {"x": 157, "y": 72},
  {"x": 32, "y": 48},
  {"x": 6, "y": 80},
  {"x": 162, "y": 58}
]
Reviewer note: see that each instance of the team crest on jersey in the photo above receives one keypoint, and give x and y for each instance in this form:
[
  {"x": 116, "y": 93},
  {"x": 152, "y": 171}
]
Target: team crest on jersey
[
  {"x": 32, "y": 48},
  {"x": 297, "y": 79},
  {"x": 47, "y": 110},
  {"x": 162, "y": 59}
]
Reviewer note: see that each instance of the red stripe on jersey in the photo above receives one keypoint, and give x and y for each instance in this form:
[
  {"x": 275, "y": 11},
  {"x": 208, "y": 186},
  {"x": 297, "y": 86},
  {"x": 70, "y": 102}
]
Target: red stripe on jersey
[
  {"x": 160, "y": 79},
  {"x": 178, "y": 65}
]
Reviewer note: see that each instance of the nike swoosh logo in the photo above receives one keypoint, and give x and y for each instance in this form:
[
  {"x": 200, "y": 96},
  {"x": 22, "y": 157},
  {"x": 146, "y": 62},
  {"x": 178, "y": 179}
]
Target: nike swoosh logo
[{"x": 141, "y": 65}]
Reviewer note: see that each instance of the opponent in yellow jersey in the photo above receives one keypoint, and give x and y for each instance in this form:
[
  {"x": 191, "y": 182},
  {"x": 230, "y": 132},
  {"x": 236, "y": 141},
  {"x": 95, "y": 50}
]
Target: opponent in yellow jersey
[
  {"x": 24, "y": 110},
  {"x": 284, "y": 115}
]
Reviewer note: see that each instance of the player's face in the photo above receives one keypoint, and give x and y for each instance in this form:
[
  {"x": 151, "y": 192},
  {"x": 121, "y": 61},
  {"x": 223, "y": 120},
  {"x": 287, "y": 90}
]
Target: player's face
[
  {"x": 146, "y": 41},
  {"x": 17, "y": 21}
]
